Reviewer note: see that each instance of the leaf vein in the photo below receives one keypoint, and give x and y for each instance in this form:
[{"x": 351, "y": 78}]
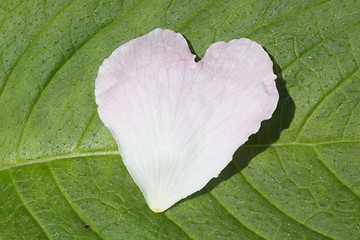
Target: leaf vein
[
  {"x": 57, "y": 70},
  {"x": 273, "y": 204},
  {"x": 319, "y": 102},
  {"x": 320, "y": 43},
  {"x": 60, "y": 157},
  {"x": 200, "y": 11},
  {"x": 290, "y": 15},
  {"x": 27, "y": 208},
  {"x": 178, "y": 225},
  {"x": 83, "y": 134},
  {"x": 115, "y": 152},
  {"x": 285, "y": 213},
  {"x": 72, "y": 206},
  {"x": 232, "y": 215},
  {"x": 317, "y": 153},
  {"x": 32, "y": 42}
]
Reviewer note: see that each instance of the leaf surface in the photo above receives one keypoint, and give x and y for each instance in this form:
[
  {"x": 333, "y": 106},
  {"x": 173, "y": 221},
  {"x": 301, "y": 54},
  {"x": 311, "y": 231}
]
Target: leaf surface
[{"x": 61, "y": 176}]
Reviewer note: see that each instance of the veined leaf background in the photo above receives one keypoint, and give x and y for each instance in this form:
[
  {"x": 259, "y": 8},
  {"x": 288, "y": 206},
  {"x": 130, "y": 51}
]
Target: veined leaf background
[{"x": 61, "y": 176}]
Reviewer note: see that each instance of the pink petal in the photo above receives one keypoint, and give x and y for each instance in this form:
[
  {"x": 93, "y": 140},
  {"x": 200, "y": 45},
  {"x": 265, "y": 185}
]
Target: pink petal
[{"x": 178, "y": 123}]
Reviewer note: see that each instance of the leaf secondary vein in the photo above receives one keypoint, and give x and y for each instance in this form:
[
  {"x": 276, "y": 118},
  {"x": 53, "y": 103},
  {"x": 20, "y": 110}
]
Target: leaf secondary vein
[
  {"x": 56, "y": 72},
  {"x": 317, "y": 153},
  {"x": 26, "y": 206},
  {"x": 322, "y": 100},
  {"x": 70, "y": 203},
  {"x": 32, "y": 42},
  {"x": 280, "y": 210},
  {"x": 232, "y": 215}
]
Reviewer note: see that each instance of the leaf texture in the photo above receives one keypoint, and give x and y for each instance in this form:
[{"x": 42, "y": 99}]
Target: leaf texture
[{"x": 61, "y": 176}]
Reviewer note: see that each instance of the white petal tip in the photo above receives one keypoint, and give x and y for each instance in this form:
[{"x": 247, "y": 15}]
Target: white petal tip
[{"x": 157, "y": 209}]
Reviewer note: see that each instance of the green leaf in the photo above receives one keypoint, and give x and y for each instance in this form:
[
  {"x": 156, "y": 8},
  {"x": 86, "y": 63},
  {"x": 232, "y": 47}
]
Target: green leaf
[{"x": 61, "y": 176}]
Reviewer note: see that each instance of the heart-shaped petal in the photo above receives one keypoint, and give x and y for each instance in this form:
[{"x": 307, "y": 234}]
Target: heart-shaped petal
[{"x": 177, "y": 123}]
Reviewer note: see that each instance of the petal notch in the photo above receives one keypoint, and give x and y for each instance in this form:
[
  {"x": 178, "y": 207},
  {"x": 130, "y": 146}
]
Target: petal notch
[{"x": 177, "y": 123}]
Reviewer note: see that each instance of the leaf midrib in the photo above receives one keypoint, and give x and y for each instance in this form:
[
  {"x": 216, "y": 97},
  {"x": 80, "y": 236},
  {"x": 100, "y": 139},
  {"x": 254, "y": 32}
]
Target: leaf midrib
[{"x": 25, "y": 162}]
